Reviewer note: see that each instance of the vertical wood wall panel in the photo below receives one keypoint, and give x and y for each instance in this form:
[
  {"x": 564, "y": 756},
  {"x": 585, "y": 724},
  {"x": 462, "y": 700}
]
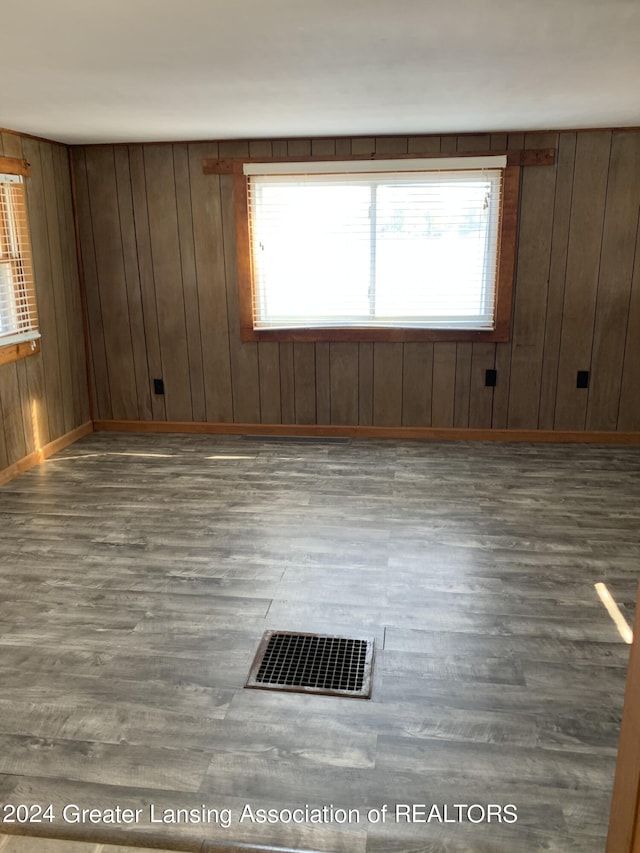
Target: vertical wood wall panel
[
  {"x": 260, "y": 148},
  {"x": 323, "y": 147},
  {"x": 212, "y": 294},
  {"x": 50, "y": 415},
  {"x": 443, "y": 384},
  {"x": 473, "y": 142},
  {"x": 26, "y": 407},
  {"x": 467, "y": 379},
  {"x": 269, "y": 375},
  {"x": 502, "y": 365},
  {"x": 13, "y": 424},
  {"x": 145, "y": 271},
  {"x": 423, "y": 145},
  {"x": 530, "y": 304},
  {"x": 583, "y": 265},
  {"x": 575, "y": 304},
  {"x": 73, "y": 300},
  {"x": 167, "y": 276},
  {"x": 565, "y": 159},
  {"x": 98, "y": 355},
  {"x": 38, "y": 402},
  {"x": 629, "y": 411},
  {"x": 45, "y": 395},
  {"x": 483, "y": 358},
  {"x": 245, "y": 382},
  {"x": 363, "y": 146},
  {"x": 365, "y": 384},
  {"x": 287, "y": 385},
  {"x": 500, "y": 411},
  {"x": 304, "y": 377},
  {"x": 448, "y": 144},
  {"x": 417, "y": 377},
  {"x": 387, "y": 384},
  {"x": 323, "y": 382},
  {"x": 107, "y": 241},
  {"x": 614, "y": 285},
  {"x": 4, "y": 456},
  {"x": 279, "y": 148},
  {"x": 132, "y": 281},
  {"x": 59, "y": 278},
  {"x": 392, "y": 145},
  {"x": 189, "y": 280},
  {"x": 462, "y": 390},
  {"x": 299, "y": 148},
  {"x": 343, "y": 367}
]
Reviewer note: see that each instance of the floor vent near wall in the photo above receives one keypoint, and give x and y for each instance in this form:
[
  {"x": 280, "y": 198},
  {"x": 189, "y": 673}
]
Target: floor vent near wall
[
  {"x": 313, "y": 663},
  {"x": 299, "y": 439}
]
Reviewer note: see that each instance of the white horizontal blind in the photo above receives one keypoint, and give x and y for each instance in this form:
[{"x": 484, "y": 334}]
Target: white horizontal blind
[
  {"x": 18, "y": 314},
  {"x": 375, "y": 249}
]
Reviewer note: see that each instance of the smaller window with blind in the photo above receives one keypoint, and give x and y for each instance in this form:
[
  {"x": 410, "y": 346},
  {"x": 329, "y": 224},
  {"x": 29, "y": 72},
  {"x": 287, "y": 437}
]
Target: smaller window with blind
[
  {"x": 376, "y": 250},
  {"x": 19, "y": 332}
]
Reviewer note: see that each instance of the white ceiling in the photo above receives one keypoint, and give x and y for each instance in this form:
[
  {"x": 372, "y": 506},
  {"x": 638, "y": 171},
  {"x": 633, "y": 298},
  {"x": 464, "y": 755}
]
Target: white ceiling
[{"x": 131, "y": 70}]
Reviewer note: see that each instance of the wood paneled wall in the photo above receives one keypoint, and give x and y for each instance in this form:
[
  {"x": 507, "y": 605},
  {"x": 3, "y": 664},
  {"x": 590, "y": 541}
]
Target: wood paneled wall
[
  {"x": 45, "y": 396},
  {"x": 157, "y": 240}
]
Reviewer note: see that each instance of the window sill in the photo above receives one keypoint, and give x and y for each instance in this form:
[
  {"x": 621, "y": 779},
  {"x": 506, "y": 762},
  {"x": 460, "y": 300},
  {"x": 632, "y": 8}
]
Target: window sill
[
  {"x": 499, "y": 334},
  {"x": 14, "y": 352}
]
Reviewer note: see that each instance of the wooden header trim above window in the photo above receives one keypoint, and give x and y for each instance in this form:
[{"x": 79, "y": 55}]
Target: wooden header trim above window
[
  {"x": 14, "y": 166},
  {"x": 531, "y": 157}
]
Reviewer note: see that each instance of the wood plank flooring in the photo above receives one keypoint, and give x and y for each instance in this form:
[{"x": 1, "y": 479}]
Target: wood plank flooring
[
  {"x": 138, "y": 573},
  {"x": 26, "y": 844}
]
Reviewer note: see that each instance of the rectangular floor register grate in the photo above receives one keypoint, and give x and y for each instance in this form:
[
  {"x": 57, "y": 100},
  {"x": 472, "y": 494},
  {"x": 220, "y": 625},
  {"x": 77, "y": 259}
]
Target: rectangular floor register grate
[{"x": 313, "y": 663}]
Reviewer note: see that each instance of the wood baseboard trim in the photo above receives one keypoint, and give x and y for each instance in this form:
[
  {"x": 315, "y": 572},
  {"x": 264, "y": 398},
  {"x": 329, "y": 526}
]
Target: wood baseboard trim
[
  {"x": 407, "y": 433},
  {"x": 38, "y": 456}
]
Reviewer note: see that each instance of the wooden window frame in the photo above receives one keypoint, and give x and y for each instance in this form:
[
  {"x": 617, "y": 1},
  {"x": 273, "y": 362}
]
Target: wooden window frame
[
  {"x": 507, "y": 248},
  {"x": 15, "y": 351}
]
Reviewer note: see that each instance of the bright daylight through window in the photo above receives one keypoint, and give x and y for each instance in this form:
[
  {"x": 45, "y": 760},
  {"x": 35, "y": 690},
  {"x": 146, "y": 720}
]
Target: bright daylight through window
[
  {"x": 375, "y": 245},
  {"x": 18, "y": 317}
]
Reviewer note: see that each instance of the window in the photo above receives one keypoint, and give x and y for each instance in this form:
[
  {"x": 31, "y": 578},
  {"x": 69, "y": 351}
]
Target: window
[
  {"x": 18, "y": 316},
  {"x": 377, "y": 250}
]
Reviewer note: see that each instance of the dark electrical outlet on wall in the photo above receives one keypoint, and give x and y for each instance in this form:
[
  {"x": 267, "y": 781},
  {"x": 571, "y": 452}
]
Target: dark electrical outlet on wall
[
  {"x": 490, "y": 378},
  {"x": 582, "y": 379},
  {"x": 158, "y": 386}
]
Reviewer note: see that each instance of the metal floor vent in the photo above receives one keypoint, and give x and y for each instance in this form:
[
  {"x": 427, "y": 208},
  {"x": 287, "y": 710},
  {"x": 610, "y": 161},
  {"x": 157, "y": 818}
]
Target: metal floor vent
[{"x": 313, "y": 663}]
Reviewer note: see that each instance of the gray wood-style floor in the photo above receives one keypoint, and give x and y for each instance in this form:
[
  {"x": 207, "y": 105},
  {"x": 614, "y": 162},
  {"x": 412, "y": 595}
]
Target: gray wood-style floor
[{"x": 138, "y": 573}]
